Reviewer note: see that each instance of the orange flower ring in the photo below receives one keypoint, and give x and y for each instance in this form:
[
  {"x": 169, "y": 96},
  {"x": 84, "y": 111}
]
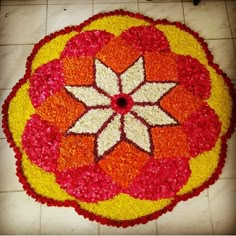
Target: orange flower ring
[{"x": 120, "y": 117}]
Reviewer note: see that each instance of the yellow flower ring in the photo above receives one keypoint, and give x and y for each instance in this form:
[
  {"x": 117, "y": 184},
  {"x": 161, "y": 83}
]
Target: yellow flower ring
[{"x": 120, "y": 117}]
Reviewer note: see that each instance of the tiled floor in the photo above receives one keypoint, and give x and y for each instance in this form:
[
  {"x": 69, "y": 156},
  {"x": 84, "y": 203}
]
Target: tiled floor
[{"x": 23, "y": 23}]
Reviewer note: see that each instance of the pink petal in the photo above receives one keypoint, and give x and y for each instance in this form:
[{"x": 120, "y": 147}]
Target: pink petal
[
  {"x": 194, "y": 76},
  {"x": 202, "y": 129},
  {"x": 86, "y": 44},
  {"x": 88, "y": 183},
  {"x": 41, "y": 143},
  {"x": 146, "y": 39},
  {"x": 45, "y": 81},
  {"x": 160, "y": 179}
]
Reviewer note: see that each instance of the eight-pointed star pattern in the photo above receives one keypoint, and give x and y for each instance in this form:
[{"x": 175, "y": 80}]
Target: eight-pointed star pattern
[{"x": 121, "y": 107}]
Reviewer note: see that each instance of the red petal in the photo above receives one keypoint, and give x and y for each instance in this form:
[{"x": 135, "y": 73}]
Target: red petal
[
  {"x": 160, "y": 179},
  {"x": 202, "y": 129},
  {"x": 88, "y": 183}
]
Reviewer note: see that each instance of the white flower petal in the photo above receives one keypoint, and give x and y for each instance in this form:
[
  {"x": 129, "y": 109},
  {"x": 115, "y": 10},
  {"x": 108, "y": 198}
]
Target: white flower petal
[
  {"x": 152, "y": 92},
  {"x": 106, "y": 79},
  {"x": 110, "y": 136},
  {"x": 88, "y": 95},
  {"x": 153, "y": 115},
  {"x": 91, "y": 121},
  {"x": 137, "y": 132},
  {"x": 133, "y": 76}
]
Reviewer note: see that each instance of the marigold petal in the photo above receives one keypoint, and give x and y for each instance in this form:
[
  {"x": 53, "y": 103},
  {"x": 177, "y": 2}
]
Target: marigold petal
[
  {"x": 124, "y": 163},
  {"x": 180, "y": 103},
  {"x": 61, "y": 110},
  {"x": 75, "y": 151},
  {"x": 170, "y": 141},
  {"x": 118, "y": 55},
  {"x": 78, "y": 71}
]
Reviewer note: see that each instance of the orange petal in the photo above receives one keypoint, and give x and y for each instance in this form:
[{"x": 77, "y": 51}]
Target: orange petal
[
  {"x": 78, "y": 71},
  {"x": 170, "y": 142},
  {"x": 118, "y": 55},
  {"x": 160, "y": 66},
  {"x": 61, "y": 110},
  {"x": 180, "y": 103},
  {"x": 75, "y": 151},
  {"x": 124, "y": 163}
]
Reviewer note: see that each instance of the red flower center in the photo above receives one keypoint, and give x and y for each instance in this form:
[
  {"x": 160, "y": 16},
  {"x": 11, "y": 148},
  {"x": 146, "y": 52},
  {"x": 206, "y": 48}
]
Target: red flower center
[{"x": 121, "y": 103}]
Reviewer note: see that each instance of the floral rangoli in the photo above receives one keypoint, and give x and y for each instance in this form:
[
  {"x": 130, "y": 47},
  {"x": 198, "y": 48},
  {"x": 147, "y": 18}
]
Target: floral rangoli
[{"x": 120, "y": 117}]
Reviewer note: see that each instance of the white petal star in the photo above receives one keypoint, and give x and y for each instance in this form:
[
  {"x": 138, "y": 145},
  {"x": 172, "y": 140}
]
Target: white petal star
[{"x": 135, "y": 110}]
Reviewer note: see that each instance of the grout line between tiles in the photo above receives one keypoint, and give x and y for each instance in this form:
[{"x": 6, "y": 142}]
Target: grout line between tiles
[
  {"x": 15, "y": 44},
  {"x": 12, "y": 191},
  {"x": 230, "y": 27},
  {"x": 40, "y": 220},
  {"x": 216, "y": 38},
  {"x": 46, "y": 27},
  {"x": 138, "y": 6},
  {"x": 19, "y": 5},
  {"x": 183, "y": 11},
  {"x": 99, "y": 231},
  {"x": 209, "y": 208},
  {"x": 93, "y": 7},
  {"x": 156, "y": 227}
]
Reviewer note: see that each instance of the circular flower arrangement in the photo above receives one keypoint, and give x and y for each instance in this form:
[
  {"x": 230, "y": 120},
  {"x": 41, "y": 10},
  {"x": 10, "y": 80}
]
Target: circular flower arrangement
[{"x": 121, "y": 118}]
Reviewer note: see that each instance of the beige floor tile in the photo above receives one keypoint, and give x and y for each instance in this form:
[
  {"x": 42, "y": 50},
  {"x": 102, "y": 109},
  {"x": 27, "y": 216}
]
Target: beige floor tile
[
  {"x": 231, "y": 7},
  {"x": 146, "y": 229},
  {"x": 171, "y": 11},
  {"x": 190, "y": 217},
  {"x": 8, "y": 179},
  {"x": 229, "y": 170},
  {"x": 209, "y": 19},
  {"x": 111, "y": 7},
  {"x": 234, "y": 40},
  {"x": 12, "y": 64},
  {"x": 23, "y": 2},
  {"x": 224, "y": 56},
  {"x": 60, "y": 16},
  {"x": 22, "y": 24},
  {"x": 222, "y": 197},
  {"x": 73, "y": 2},
  {"x": 3, "y": 96},
  {"x": 20, "y": 214},
  {"x": 65, "y": 221}
]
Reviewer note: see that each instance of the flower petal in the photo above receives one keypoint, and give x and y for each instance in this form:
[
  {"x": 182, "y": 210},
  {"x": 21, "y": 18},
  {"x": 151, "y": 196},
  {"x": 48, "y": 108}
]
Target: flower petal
[
  {"x": 137, "y": 132},
  {"x": 106, "y": 79},
  {"x": 153, "y": 115},
  {"x": 133, "y": 76},
  {"x": 152, "y": 92},
  {"x": 41, "y": 143},
  {"x": 88, "y": 183},
  {"x": 91, "y": 121},
  {"x": 88, "y": 95},
  {"x": 109, "y": 136},
  {"x": 161, "y": 178}
]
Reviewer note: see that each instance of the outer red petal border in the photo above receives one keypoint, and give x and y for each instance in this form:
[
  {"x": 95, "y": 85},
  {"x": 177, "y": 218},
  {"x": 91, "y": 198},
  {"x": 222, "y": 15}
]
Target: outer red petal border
[{"x": 68, "y": 203}]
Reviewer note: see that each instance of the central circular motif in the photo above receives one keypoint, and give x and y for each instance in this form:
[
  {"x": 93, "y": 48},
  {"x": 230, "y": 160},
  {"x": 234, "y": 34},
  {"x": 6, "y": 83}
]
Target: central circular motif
[{"x": 122, "y": 103}]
